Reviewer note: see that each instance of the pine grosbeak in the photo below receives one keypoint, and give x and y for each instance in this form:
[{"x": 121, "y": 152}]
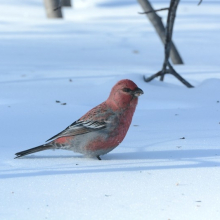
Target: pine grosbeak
[{"x": 102, "y": 128}]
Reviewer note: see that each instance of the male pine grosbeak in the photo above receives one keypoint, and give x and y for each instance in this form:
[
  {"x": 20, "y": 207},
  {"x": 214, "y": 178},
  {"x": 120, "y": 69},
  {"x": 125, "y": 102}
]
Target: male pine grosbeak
[{"x": 102, "y": 128}]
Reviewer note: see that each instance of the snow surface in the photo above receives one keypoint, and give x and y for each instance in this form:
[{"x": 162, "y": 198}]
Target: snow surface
[{"x": 154, "y": 174}]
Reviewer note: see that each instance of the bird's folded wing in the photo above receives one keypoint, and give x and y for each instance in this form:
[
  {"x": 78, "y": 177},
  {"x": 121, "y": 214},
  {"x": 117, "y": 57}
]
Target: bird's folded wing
[{"x": 80, "y": 127}]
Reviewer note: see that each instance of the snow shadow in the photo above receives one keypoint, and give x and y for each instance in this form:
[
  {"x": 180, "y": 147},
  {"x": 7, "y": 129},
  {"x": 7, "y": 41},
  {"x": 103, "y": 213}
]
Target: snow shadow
[
  {"x": 178, "y": 155},
  {"x": 117, "y": 3},
  {"x": 123, "y": 162}
]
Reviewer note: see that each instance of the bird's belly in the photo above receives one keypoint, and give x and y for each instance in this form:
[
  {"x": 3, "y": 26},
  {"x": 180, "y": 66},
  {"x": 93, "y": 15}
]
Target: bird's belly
[
  {"x": 95, "y": 143},
  {"x": 91, "y": 144}
]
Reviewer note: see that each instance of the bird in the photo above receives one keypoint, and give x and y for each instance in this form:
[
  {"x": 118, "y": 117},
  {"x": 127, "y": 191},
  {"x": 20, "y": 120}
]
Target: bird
[{"x": 101, "y": 129}]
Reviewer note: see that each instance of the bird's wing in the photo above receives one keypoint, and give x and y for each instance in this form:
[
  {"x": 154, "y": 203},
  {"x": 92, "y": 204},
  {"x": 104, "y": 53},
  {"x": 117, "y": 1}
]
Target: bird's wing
[{"x": 80, "y": 127}]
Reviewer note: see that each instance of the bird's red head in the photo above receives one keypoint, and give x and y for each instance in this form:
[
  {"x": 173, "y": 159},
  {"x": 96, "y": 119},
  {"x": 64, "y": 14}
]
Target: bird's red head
[{"x": 125, "y": 93}]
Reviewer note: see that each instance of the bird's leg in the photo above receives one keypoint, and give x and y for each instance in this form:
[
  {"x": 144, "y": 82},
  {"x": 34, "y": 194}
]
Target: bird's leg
[{"x": 98, "y": 157}]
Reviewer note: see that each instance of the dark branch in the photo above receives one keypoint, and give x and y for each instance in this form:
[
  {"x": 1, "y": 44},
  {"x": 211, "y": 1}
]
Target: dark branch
[
  {"x": 200, "y": 2},
  {"x": 167, "y": 67},
  {"x": 147, "y": 12}
]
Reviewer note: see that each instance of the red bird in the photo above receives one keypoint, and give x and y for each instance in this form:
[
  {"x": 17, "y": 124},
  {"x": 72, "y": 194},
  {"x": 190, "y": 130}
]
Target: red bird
[{"x": 102, "y": 128}]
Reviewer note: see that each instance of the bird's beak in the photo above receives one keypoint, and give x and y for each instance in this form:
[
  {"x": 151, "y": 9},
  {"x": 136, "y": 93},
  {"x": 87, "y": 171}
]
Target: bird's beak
[{"x": 138, "y": 92}]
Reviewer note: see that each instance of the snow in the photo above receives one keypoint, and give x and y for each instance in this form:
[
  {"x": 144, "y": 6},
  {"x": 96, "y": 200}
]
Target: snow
[{"x": 168, "y": 165}]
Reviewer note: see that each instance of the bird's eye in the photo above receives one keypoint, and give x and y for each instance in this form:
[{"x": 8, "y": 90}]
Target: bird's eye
[{"x": 126, "y": 90}]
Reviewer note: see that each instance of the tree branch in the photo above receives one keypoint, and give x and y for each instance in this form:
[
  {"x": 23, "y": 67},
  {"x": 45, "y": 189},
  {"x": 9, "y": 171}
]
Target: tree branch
[
  {"x": 160, "y": 29},
  {"x": 167, "y": 67},
  {"x": 147, "y": 12}
]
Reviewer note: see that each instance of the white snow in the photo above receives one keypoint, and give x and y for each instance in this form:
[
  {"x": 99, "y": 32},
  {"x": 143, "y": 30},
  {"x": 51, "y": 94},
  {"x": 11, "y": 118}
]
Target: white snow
[{"x": 153, "y": 174}]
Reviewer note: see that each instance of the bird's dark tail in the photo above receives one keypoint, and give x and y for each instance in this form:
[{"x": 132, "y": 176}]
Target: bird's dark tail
[{"x": 34, "y": 150}]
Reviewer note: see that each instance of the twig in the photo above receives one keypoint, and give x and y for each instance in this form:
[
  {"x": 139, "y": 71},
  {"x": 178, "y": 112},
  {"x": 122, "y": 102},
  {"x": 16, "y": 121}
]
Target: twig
[
  {"x": 167, "y": 67},
  {"x": 156, "y": 21},
  {"x": 200, "y": 2},
  {"x": 147, "y": 12},
  {"x": 180, "y": 78}
]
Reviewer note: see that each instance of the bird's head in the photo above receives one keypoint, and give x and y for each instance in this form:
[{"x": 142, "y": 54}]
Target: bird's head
[{"x": 124, "y": 93}]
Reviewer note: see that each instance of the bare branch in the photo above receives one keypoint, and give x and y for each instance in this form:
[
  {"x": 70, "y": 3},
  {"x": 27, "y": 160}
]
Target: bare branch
[
  {"x": 156, "y": 21},
  {"x": 147, "y": 12},
  {"x": 167, "y": 67},
  {"x": 200, "y": 2}
]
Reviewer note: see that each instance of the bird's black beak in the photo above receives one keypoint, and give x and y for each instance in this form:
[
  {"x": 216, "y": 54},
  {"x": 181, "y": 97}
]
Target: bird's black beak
[{"x": 137, "y": 92}]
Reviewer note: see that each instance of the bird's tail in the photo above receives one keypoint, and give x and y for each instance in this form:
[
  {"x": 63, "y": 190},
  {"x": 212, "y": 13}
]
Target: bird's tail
[{"x": 34, "y": 150}]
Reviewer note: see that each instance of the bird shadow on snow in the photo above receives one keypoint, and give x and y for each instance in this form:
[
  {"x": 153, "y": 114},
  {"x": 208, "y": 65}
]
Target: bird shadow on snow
[{"x": 121, "y": 162}]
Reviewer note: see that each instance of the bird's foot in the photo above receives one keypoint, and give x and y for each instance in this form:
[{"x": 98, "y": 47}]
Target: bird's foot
[{"x": 98, "y": 157}]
